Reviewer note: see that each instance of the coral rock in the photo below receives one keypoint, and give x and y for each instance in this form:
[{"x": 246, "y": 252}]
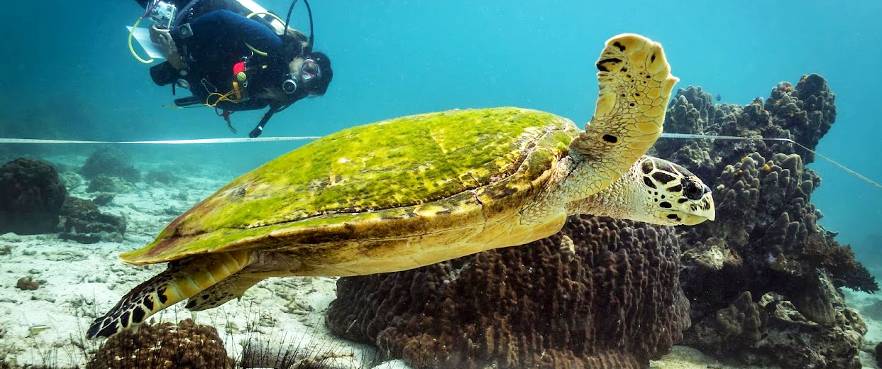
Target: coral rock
[
  {"x": 752, "y": 331},
  {"x": 766, "y": 240},
  {"x": 185, "y": 345},
  {"x": 81, "y": 221},
  {"x": 110, "y": 162},
  {"x": 602, "y": 293},
  {"x": 27, "y": 284},
  {"x": 31, "y": 196}
]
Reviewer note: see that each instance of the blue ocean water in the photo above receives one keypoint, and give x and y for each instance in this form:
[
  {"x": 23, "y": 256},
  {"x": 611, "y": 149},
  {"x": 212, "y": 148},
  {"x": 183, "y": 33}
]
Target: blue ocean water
[{"x": 66, "y": 66}]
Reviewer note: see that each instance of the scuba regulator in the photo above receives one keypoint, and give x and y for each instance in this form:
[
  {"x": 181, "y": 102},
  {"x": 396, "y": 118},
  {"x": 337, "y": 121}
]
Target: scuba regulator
[{"x": 289, "y": 86}]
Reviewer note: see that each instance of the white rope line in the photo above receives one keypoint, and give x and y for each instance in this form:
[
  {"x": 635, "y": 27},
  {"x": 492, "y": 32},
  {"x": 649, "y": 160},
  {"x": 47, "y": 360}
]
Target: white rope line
[{"x": 308, "y": 138}]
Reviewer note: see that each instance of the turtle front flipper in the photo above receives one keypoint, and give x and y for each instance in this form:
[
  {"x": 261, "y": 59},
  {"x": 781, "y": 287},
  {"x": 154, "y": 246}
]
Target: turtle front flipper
[
  {"x": 635, "y": 83},
  {"x": 180, "y": 281}
]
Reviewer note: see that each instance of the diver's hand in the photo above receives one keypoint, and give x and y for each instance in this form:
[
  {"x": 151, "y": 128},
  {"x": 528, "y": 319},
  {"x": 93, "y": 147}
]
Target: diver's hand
[{"x": 162, "y": 37}]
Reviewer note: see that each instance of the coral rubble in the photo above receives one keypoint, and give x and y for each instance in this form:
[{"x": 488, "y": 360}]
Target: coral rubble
[
  {"x": 764, "y": 276},
  {"x": 603, "y": 293},
  {"x": 185, "y": 345},
  {"x": 31, "y": 196}
]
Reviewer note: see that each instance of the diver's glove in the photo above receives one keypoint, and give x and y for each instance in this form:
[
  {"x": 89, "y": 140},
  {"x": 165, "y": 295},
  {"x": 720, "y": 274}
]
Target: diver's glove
[{"x": 162, "y": 37}]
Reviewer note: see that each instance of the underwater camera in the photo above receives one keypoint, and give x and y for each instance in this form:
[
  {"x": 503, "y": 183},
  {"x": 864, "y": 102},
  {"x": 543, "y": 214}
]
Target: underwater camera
[{"x": 162, "y": 13}]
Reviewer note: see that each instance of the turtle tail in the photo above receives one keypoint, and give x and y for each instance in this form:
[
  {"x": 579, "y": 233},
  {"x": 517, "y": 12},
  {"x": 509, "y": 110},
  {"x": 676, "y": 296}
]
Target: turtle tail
[{"x": 180, "y": 281}]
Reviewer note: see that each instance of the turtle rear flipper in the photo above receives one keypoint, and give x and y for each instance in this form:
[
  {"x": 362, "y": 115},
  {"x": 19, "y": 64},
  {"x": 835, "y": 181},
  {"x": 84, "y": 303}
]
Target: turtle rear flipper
[
  {"x": 228, "y": 289},
  {"x": 180, "y": 281}
]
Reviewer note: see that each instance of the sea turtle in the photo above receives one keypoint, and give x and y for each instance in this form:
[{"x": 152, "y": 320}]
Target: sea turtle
[{"x": 417, "y": 190}]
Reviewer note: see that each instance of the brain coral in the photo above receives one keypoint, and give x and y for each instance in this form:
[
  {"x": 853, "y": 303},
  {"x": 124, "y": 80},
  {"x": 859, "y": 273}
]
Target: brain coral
[
  {"x": 603, "y": 293},
  {"x": 185, "y": 345}
]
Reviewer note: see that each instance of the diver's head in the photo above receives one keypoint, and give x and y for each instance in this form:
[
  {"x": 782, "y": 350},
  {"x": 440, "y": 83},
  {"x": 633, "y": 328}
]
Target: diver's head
[
  {"x": 311, "y": 72},
  {"x": 671, "y": 194},
  {"x": 303, "y": 76}
]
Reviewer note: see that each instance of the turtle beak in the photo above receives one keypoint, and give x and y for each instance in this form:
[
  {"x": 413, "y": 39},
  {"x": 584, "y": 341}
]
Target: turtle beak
[{"x": 705, "y": 211}]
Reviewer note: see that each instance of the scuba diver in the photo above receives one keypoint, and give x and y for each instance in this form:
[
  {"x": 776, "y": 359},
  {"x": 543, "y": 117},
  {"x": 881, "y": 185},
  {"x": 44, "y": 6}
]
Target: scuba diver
[{"x": 233, "y": 56}]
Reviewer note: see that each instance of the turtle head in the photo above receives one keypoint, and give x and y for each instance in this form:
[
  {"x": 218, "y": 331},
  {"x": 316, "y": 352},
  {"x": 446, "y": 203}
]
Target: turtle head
[
  {"x": 670, "y": 194},
  {"x": 653, "y": 191}
]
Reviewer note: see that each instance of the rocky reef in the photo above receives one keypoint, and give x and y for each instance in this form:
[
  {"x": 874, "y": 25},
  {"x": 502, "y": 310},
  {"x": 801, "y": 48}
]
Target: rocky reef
[
  {"x": 764, "y": 277},
  {"x": 602, "y": 293},
  {"x": 31, "y": 196}
]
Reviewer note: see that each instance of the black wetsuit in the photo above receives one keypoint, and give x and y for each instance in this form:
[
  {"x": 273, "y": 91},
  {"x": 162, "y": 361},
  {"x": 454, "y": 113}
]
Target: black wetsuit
[{"x": 220, "y": 37}]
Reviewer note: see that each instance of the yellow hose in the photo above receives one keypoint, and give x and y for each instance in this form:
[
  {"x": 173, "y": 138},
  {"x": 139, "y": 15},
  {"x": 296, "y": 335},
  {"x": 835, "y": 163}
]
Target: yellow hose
[
  {"x": 220, "y": 98},
  {"x": 132, "y": 47}
]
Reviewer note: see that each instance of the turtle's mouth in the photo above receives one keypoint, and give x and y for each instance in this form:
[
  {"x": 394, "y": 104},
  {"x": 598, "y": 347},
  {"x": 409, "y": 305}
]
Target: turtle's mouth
[
  {"x": 700, "y": 211},
  {"x": 693, "y": 219}
]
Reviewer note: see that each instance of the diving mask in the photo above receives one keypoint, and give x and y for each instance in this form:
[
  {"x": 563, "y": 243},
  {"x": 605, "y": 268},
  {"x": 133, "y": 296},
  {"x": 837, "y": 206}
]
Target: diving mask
[{"x": 310, "y": 70}]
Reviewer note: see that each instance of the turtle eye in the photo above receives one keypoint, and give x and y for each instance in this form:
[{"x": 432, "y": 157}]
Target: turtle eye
[{"x": 693, "y": 189}]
